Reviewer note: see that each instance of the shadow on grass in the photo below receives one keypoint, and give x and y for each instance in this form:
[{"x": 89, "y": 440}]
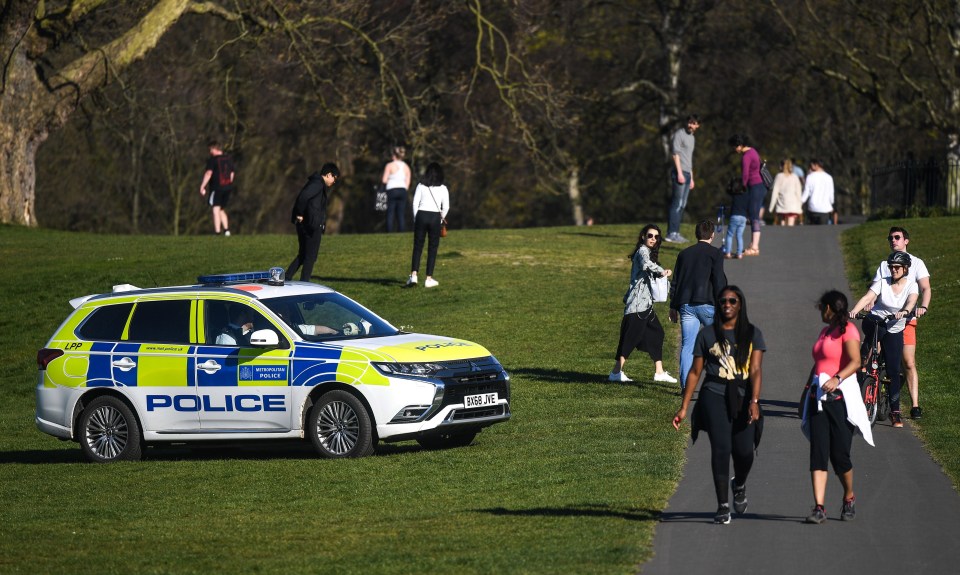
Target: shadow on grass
[
  {"x": 584, "y": 510},
  {"x": 590, "y": 234},
  {"x": 212, "y": 451},
  {"x": 371, "y": 281},
  {"x": 563, "y": 376}
]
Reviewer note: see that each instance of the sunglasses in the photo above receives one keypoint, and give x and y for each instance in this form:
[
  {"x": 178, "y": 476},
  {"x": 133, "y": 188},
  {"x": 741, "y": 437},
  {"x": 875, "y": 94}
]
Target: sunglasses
[
  {"x": 652, "y": 236},
  {"x": 892, "y": 238},
  {"x": 896, "y": 267},
  {"x": 729, "y": 300}
]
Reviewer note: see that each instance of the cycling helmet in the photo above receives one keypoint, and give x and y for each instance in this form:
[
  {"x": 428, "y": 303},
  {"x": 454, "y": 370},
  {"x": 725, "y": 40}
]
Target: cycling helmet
[{"x": 899, "y": 258}]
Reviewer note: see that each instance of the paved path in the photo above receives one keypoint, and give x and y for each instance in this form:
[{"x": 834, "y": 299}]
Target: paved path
[{"x": 907, "y": 511}]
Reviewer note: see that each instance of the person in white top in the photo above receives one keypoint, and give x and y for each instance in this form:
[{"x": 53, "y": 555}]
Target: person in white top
[
  {"x": 396, "y": 181},
  {"x": 899, "y": 240},
  {"x": 818, "y": 189},
  {"x": 785, "y": 199},
  {"x": 891, "y": 299},
  {"x": 431, "y": 202}
]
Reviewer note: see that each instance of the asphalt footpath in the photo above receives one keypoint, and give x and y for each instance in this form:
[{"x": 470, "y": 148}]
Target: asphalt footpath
[{"x": 908, "y": 514}]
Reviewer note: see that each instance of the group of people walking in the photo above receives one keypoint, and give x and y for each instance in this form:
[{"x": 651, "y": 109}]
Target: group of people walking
[{"x": 721, "y": 352}]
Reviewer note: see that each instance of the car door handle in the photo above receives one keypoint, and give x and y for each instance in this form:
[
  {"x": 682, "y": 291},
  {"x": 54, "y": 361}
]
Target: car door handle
[
  {"x": 125, "y": 364},
  {"x": 209, "y": 366}
]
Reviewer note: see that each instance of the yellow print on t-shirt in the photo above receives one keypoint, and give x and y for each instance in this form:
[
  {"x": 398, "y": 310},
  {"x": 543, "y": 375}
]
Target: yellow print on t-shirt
[{"x": 728, "y": 363}]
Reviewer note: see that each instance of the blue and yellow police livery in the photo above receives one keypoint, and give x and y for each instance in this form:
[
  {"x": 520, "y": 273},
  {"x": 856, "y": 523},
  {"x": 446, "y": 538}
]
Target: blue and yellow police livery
[{"x": 250, "y": 356}]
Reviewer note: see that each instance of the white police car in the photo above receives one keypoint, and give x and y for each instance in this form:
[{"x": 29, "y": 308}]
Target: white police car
[{"x": 249, "y": 356}]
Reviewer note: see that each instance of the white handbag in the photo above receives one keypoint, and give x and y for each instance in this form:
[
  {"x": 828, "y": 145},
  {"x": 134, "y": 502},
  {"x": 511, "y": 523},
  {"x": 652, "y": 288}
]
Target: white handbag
[{"x": 659, "y": 289}]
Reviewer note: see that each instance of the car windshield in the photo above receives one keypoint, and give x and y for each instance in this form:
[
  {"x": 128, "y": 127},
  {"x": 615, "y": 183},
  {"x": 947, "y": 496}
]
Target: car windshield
[{"x": 327, "y": 316}]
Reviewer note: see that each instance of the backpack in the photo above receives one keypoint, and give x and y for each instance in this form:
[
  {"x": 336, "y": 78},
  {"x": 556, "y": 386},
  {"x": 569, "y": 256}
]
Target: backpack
[{"x": 766, "y": 176}]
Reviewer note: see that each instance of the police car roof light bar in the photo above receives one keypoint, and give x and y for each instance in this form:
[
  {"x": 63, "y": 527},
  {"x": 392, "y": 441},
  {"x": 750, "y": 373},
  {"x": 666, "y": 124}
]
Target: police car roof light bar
[{"x": 273, "y": 277}]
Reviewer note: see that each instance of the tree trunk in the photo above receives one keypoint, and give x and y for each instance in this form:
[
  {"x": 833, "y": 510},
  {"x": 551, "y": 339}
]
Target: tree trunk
[{"x": 573, "y": 191}]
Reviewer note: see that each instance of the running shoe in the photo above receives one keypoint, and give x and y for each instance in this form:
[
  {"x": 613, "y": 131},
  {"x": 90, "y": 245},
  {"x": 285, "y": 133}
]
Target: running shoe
[
  {"x": 739, "y": 497},
  {"x": 895, "y": 419},
  {"x": 916, "y": 412},
  {"x": 618, "y": 376},
  {"x": 817, "y": 516},
  {"x": 849, "y": 510},
  {"x": 430, "y": 282},
  {"x": 411, "y": 281},
  {"x": 723, "y": 514},
  {"x": 664, "y": 376}
]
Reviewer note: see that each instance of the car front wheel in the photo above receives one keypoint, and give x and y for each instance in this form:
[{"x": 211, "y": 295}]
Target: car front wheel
[
  {"x": 109, "y": 432},
  {"x": 339, "y": 426}
]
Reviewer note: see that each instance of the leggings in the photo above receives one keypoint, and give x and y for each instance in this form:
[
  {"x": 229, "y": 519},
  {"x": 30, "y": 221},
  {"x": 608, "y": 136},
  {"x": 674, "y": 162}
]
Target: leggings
[{"x": 727, "y": 437}]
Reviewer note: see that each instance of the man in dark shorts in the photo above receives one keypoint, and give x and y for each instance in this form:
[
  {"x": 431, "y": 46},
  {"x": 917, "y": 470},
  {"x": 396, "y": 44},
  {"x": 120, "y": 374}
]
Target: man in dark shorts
[{"x": 218, "y": 177}]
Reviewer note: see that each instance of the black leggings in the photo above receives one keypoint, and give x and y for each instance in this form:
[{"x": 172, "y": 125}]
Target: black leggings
[
  {"x": 425, "y": 224},
  {"x": 831, "y": 436},
  {"x": 727, "y": 437},
  {"x": 892, "y": 344}
]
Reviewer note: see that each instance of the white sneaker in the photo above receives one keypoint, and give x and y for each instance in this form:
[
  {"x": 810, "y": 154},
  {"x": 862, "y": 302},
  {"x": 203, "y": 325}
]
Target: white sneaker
[
  {"x": 411, "y": 281},
  {"x": 618, "y": 376},
  {"x": 226, "y": 233},
  {"x": 664, "y": 376},
  {"x": 430, "y": 282}
]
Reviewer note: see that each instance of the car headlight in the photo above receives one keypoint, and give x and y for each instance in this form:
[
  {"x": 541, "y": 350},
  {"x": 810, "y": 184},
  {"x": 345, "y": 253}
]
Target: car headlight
[{"x": 409, "y": 369}]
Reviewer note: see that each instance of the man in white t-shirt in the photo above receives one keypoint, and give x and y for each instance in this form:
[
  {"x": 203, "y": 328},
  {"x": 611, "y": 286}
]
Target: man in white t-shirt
[
  {"x": 818, "y": 189},
  {"x": 899, "y": 240}
]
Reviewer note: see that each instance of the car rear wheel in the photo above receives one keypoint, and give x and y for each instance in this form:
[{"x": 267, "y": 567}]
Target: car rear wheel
[
  {"x": 110, "y": 432},
  {"x": 448, "y": 440},
  {"x": 339, "y": 426}
]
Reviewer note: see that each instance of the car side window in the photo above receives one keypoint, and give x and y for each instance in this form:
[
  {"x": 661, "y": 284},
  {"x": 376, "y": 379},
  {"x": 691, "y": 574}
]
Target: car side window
[
  {"x": 161, "y": 322},
  {"x": 106, "y": 323},
  {"x": 231, "y": 323}
]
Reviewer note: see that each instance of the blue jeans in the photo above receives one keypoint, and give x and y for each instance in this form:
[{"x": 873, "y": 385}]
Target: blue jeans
[
  {"x": 736, "y": 227},
  {"x": 679, "y": 201},
  {"x": 692, "y": 318}
]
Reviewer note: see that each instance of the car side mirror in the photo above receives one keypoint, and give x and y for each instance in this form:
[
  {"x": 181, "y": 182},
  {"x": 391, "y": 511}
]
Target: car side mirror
[{"x": 264, "y": 338}]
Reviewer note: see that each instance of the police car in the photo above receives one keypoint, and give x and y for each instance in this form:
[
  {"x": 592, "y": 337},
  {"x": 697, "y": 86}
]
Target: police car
[{"x": 251, "y": 356}]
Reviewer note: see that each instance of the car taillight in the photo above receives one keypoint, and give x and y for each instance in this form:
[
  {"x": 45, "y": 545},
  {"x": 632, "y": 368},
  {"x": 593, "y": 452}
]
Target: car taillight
[{"x": 45, "y": 356}]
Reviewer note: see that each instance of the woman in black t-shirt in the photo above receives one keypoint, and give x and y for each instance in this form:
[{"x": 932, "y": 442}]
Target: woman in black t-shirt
[{"x": 730, "y": 353}]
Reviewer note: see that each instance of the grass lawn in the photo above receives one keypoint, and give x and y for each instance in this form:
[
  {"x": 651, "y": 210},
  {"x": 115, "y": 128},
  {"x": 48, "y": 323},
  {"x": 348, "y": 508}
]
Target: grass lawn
[{"x": 572, "y": 484}]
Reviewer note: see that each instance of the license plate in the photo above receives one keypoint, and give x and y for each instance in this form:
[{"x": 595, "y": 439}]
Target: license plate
[{"x": 481, "y": 400}]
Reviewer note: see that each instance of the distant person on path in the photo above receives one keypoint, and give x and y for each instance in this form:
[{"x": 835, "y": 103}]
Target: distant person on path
[
  {"x": 310, "y": 216},
  {"x": 698, "y": 278},
  {"x": 785, "y": 198},
  {"x": 818, "y": 195},
  {"x": 218, "y": 177},
  {"x": 396, "y": 179},
  {"x": 728, "y": 407},
  {"x": 832, "y": 403},
  {"x": 431, "y": 202},
  {"x": 753, "y": 184},
  {"x": 891, "y": 299},
  {"x": 899, "y": 240},
  {"x": 681, "y": 176},
  {"x": 640, "y": 328},
  {"x": 739, "y": 211}
]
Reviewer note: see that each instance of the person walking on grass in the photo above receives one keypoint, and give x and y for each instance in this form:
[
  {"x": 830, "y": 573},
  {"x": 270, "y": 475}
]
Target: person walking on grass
[
  {"x": 218, "y": 178},
  {"x": 640, "y": 328},
  {"x": 698, "y": 276},
  {"x": 833, "y": 407},
  {"x": 681, "y": 176},
  {"x": 310, "y": 216},
  {"x": 431, "y": 202},
  {"x": 730, "y": 352}
]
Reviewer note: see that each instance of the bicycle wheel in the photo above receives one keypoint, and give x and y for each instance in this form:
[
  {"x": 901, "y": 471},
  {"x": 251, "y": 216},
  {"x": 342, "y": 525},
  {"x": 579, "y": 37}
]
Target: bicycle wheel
[
  {"x": 870, "y": 389},
  {"x": 883, "y": 396}
]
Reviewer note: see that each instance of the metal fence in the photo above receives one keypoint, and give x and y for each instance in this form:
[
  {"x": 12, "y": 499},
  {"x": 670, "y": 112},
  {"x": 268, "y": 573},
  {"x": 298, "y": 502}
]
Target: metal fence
[{"x": 915, "y": 187}]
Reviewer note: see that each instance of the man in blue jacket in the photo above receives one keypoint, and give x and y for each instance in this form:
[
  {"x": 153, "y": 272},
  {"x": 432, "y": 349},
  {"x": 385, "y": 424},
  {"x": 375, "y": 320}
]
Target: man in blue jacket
[{"x": 310, "y": 216}]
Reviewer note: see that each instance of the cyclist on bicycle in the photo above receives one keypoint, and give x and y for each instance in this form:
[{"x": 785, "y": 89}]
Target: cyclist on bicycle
[{"x": 892, "y": 299}]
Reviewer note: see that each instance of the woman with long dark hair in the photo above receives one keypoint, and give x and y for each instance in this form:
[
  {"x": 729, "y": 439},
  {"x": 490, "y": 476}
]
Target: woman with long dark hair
[
  {"x": 730, "y": 352},
  {"x": 753, "y": 184},
  {"x": 640, "y": 328},
  {"x": 431, "y": 202},
  {"x": 831, "y": 402}
]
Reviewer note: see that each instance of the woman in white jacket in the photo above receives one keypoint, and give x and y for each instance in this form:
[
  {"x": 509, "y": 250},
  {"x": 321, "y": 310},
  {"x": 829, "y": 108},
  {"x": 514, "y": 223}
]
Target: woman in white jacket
[
  {"x": 431, "y": 202},
  {"x": 785, "y": 198}
]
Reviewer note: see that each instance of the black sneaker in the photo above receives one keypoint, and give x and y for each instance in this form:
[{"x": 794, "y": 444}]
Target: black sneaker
[
  {"x": 849, "y": 510},
  {"x": 723, "y": 514},
  {"x": 915, "y": 412},
  {"x": 739, "y": 497},
  {"x": 817, "y": 516},
  {"x": 895, "y": 419}
]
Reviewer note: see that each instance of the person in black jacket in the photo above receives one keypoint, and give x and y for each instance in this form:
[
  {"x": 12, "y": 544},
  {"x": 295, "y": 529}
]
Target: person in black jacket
[
  {"x": 310, "y": 216},
  {"x": 697, "y": 280}
]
